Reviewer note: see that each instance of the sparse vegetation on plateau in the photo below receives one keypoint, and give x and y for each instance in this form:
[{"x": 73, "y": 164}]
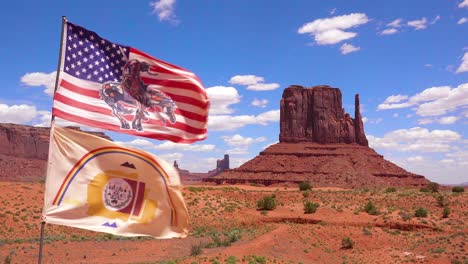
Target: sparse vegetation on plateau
[
  {"x": 310, "y": 207},
  {"x": 347, "y": 243},
  {"x": 420, "y": 212},
  {"x": 305, "y": 185},
  {"x": 267, "y": 203},
  {"x": 433, "y": 187},
  {"x": 458, "y": 189},
  {"x": 370, "y": 208}
]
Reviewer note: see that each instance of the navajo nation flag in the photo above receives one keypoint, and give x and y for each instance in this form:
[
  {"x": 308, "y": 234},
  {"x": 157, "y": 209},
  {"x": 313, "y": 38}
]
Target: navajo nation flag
[
  {"x": 96, "y": 184},
  {"x": 115, "y": 87}
]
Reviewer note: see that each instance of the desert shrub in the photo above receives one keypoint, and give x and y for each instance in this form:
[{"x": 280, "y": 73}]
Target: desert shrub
[
  {"x": 366, "y": 231},
  {"x": 441, "y": 200},
  {"x": 306, "y": 193},
  {"x": 405, "y": 215},
  {"x": 347, "y": 243},
  {"x": 370, "y": 208},
  {"x": 196, "y": 249},
  {"x": 267, "y": 203},
  {"x": 420, "y": 212},
  {"x": 424, "y": 189},
  {"x": 458, "y": 189},
  {"x": 233, "y": 236},
  {"x": 390, "y": 190},
  {"x": 445, "y": 212},
  {"x": 305, "y": 185},
  {"x": 231, "y": 260},
  {"x": 433, "y": 187},
  {"x": 310, "y": 207}
]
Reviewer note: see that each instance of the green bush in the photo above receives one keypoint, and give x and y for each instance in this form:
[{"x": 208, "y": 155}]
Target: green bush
[
  {"x": 196, "y": 250},
  {"x": 390, "y": 190},
  {"x": 445, "y": 212},
  {"x": 424, "y": 189},
  {"x": 420, "y": 212},
  {"x": 305, "y": 186},
  {"x": 267, "y": 203},
  {"x": 306, "y": 193},
  {"x": 310, "y": 207},
  {"x": 433, "y": 187},
  {"x": 441, "y": 200},
  {"x": 458, "y": 189},
  {"x": 347, "y": 243},
  {"x": 370, "y": 208}
]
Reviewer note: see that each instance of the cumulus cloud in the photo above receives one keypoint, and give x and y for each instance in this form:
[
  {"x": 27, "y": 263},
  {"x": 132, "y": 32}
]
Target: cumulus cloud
[
  {"x": 327, "y": 31},
  {"x": 434, "y": 101},
  {"x": 168, "y": 145},
  {"x": 464, "y": 3},
  {"x": 348, "y": 48},
  {"x": 40, "y": 79},
  {"x": 418, "y": 24},
  {"x": 164, "y": 9},
  {"x": 464, "y": 64},
  {"x": 246, "y": 79},
  {"x": 17, "y": 114},
  {"x": 254, "y": 83},
  {"x": 415, "y": 159},
  {"x": 221, "y": 98},
  {"x": 389, "y": 31},
  {"x": 416, "y": 139},
  {"x": 259, "y": 103},
  {"x": 447, "y": 120},
  {"x": 462, "y": 20},
  {"x": 226, "y": 122},
  {"x": 238, "y": 140}
]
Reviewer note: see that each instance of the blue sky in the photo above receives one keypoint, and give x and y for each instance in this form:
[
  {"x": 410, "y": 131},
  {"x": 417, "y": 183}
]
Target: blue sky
[{"x": 408, "y": 60}]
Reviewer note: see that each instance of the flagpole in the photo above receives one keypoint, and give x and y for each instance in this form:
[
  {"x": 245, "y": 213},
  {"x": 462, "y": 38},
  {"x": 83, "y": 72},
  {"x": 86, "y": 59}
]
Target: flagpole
[{"x": 57, "y": 77}]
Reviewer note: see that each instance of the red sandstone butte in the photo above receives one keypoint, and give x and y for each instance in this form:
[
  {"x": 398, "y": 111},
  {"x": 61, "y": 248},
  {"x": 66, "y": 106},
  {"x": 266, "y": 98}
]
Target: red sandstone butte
[{"x": 322, "y": 144}]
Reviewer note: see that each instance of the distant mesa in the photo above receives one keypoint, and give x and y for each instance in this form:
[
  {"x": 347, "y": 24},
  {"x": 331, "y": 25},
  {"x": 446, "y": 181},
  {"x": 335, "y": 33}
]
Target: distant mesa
[
  {"x": 320, "y": 143},
  {"x": 188, "y": 177}
]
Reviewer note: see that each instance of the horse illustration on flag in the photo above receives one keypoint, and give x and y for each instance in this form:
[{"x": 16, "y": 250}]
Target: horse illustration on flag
[{"x": 133, "y": 96}]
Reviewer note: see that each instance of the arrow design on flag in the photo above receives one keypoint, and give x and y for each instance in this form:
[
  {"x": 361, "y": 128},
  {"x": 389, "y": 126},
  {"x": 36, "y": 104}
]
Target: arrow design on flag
[
  {"x": 128, "y": 165},
  {"x": 113, "y": 225}
]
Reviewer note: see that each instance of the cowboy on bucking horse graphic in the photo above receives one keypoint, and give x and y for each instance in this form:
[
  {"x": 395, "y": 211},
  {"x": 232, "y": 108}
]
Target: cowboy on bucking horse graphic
[{"x": 133, "y": 91}]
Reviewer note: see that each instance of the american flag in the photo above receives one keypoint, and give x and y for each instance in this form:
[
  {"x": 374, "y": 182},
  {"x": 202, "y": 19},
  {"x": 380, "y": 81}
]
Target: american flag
[{"x": 90, "y": 62}]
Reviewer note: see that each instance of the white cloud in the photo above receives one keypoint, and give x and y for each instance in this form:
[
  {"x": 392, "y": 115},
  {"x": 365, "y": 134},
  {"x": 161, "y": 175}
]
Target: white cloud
[
  {"x": 365, "y": 120},
  {"x": 18, "y": 114},
  {"x": 225, "y": 122},
  {"x": 437, "y": 18},
  {"x": 348, "y": 48},
  {"x": 263, "y": 86},
  {"x": 463, "y": 4},
  {"x": 253, "y": 82},
  {"x": 464, "y": 64},
  {"x": 389, "y": 31},
  {"x": 395, "y": 99},
  {"x": 396, "y": 115},
  {"x": 418, "y": 24},
  {"x": 171, "y": 156},
  {"x": 259, "y": 103},
  {"x": 221, "y": 97},
  {"x": 333, "y": 11},
  {"x": 415, "y": 159},
  {"x": 327, "y": 31},
  {"x": 168, "y": 145},
  {"x": 238, "y": 140},
  {"x": 41, "y": 79},
  {"x": 456, "y": 98},
  {"x": 462, "y": 20},
  {"x": 395, "y": 23},
  {"x": 165, "y": 10},
  {"x": 246, "y": 79},
  {"x": 447, "y": 120},
  {"x": 416, "y": 139},
  {"x": 428, "y": 65},
  {"x": 433, "y": 101}
]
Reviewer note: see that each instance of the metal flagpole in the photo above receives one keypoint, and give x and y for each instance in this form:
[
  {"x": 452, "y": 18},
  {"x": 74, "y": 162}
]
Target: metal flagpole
[{"x": 57, "y": 77}]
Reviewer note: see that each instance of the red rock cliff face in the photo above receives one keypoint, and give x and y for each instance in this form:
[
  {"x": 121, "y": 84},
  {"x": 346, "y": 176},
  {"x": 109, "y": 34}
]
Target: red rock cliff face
[
  {"x": 24, "y": 151},
  {"x": 316, "y": 115}
]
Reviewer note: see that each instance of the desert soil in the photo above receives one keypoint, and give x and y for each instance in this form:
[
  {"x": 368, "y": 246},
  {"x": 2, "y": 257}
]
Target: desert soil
[{"x": 226, "y": 227}]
